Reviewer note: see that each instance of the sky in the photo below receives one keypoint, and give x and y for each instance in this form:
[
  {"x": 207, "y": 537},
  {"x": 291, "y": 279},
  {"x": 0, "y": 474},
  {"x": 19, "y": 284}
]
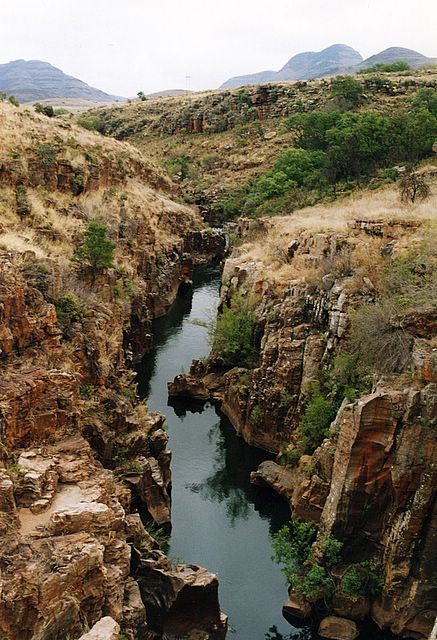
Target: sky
[{"x": 126, "y": 46}]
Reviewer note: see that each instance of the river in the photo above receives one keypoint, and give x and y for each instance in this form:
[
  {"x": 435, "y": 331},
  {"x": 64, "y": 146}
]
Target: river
[{"x": 219, "y": 519}]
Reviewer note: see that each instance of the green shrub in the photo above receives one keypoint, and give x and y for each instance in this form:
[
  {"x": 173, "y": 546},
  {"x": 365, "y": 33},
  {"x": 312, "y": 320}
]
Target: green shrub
[
  {"x": 257, "y": 414},
  {"x": 363, "y": 579},
  {"x": 77, "y": 185},
  {"x": 393, "y": 67},
  {"x": 292, "y": 546},
  {"x": 129, "y": 392},
  {"x": 22, "y": 204},
  {"x": 347, "y": 91},
  {"x": 97, "y": 250},
  {"x": 315, "y": 422},
  {"x": 234, "y": 334},
  {"x": 331, "y": 548},
  {"x": 68, "y": 310},
  {"x": 90, "y": 122},
  {"x": 315, "y": 584},
  {"x": 46, "y": 110},
  {"x": 87, "y": 391},
  {"x": 36, "y": 275},
  {"x": 47, "y": 154},
  {"x": 13, "y": 100}
]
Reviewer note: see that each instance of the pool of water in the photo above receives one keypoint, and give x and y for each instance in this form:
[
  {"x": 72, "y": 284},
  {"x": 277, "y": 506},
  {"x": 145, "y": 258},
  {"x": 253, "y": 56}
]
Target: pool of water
[{"x": 219, "y": 519}]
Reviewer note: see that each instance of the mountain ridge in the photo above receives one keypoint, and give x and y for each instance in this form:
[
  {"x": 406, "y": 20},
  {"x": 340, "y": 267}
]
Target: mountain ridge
[
  {"x": 333, "y": 60},
  {"x": 33, "y": 80}
]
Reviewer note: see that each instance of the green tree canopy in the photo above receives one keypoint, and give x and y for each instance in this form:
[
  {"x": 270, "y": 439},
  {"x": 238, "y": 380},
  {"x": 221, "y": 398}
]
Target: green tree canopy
[{"x": 96, "y": 250}]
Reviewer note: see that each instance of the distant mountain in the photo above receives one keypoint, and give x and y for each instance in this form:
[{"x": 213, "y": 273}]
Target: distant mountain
[
  {"x": 339, "y": 58},
  {"x": 335, "y": 59},
  {"x": 394, "y": 54},
  {"x": 33, "y": 80}
]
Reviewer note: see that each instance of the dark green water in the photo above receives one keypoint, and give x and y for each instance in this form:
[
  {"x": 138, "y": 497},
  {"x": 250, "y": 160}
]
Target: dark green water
[{"x": 219, "y": 519}]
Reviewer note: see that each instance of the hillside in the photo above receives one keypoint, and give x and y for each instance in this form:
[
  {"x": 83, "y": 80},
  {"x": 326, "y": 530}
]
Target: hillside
[
  {"x": 214, "y": 144},
  {"x": 333, "y": 60},
  {"x": 35, "y": 80}
]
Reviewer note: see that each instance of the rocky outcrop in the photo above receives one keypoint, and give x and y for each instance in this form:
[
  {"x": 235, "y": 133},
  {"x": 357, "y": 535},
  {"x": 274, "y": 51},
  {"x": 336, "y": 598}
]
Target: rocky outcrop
[
  {"x": 372, "y": 482},
  {"x": 105, "y": 629},
  {"x": 75, "y": 442},
  {"x": 183, "y": 602}
]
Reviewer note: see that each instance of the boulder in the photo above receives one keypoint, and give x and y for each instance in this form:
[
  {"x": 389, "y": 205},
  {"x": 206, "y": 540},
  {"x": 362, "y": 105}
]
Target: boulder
[
  {"x": 336, "y": 628},
  {"x": 105, "y": 629},
  {"x": 296, "y": 607}
]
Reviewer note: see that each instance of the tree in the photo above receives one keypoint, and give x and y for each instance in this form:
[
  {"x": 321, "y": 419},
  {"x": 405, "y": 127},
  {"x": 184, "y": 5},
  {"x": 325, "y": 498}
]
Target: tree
[
  {"x": 347, "y": 91},
  {"x": 96, "y": 250},
  {"x": 413, "y": 187},
  {"x": 142, "y": 95}
]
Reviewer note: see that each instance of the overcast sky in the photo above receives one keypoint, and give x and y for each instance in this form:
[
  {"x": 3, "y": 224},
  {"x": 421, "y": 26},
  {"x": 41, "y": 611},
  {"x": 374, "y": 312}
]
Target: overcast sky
[{"x": 123, "y": 46}]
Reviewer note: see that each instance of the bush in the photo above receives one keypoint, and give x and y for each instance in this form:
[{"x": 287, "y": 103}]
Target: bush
[
  {"x": 292, "y": 546},
  {"x": 77, "y": 185},
  {"x": 90, "y": 122},
  {"x": 47, "y": 154},
  {"x": 392, "y": 67},
  {"x": 234, "y": 334},
  {"x": 96, "y": 250},
  {"x": 378, "y": 338},
  {"x": 46, "y": 110},
  {"x": 363, "y": 579},
  {"x": 68, "y": 310},
  {"x": 315, "y": 584},
  {"x": 347, "y": 91},
  {"x": 315, "y": 422},
  {"x": 22, "y": 204},
  {"x": 36, "y": 275},
  {"x": 412, "y": 187},
  {"x": 331, "y": 548}
]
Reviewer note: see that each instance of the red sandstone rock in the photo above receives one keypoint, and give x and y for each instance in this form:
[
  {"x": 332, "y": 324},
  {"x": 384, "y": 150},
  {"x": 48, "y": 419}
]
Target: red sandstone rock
[
  {"x": 296, "y": 607},
  {"x": 338, "y": 628}
]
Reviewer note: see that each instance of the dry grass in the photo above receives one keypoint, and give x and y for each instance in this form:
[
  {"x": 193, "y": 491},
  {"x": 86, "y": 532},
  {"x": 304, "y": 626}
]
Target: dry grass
[
  {"x": 270, "y": 250},
  {"x": 53, "y": 228}
]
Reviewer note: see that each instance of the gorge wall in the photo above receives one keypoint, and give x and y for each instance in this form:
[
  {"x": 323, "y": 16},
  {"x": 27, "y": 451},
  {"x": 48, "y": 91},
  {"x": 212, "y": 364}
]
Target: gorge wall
[
  {"x": 76, "y": 445},
  {"x": 370, "y": 481}
]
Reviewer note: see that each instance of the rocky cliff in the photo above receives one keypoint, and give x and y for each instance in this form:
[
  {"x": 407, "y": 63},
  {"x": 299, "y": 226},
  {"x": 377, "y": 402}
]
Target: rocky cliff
[
  {"x": 369, "y": 479},
  {"x": 76, "y": 445}
]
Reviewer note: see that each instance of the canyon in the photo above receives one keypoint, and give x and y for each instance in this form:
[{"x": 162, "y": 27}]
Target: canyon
[{"x": 86, "y": 484}]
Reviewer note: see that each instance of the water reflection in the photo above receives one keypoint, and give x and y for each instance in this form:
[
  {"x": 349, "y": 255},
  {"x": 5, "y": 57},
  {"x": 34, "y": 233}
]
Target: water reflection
[
  {"x": 273, "y": 634},
  {"x": 233, "y": 460}
]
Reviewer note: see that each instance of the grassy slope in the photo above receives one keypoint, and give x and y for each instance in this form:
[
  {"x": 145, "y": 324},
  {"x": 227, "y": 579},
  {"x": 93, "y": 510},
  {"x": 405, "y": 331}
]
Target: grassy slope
[{"x": 220, "y": 162}]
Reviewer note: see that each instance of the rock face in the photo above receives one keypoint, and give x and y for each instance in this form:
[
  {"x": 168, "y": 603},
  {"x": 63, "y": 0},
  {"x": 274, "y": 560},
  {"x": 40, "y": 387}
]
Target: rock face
[
  {"x": 170, "y": 596},
  {"x": 75, "y": 442},
  {"x": 105, "y": 629},
  {"x": 372, "y": 482}
]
